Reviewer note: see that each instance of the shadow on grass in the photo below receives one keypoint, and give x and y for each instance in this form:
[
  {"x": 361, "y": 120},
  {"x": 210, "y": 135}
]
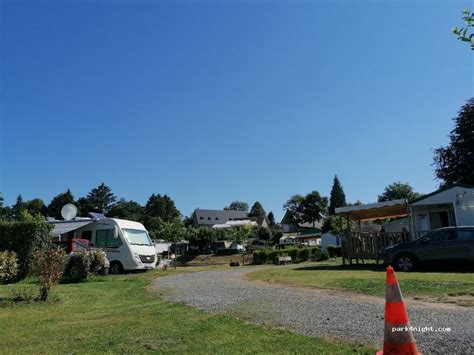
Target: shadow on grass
[{"x": 382, "y": 268}]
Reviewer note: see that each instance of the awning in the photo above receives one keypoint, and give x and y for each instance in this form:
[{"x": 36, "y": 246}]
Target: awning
[
  {"x": 68, "y": 226},
  {"x": 380, "y": 210}
]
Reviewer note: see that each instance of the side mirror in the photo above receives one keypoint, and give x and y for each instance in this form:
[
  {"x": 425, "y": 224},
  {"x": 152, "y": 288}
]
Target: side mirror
[{"x": 116, "y": 234}]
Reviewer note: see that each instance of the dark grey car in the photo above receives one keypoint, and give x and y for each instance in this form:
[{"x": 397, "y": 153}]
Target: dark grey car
[{"x": 441, "y": 246}]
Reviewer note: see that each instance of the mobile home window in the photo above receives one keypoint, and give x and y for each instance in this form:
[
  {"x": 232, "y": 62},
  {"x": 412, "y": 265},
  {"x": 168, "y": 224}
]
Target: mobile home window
[{"x": 105, "y": 238}]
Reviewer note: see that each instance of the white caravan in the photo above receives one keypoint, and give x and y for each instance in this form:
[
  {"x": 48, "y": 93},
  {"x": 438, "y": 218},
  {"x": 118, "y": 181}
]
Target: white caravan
[{"x": 126, "y": 243}]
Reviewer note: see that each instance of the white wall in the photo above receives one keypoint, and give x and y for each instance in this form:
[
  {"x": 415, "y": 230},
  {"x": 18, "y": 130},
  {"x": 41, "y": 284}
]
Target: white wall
[{"x": 461, "y": 198}]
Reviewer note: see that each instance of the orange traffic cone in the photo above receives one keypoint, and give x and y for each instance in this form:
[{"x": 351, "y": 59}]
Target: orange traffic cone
[{"x": 399, "y": 340}]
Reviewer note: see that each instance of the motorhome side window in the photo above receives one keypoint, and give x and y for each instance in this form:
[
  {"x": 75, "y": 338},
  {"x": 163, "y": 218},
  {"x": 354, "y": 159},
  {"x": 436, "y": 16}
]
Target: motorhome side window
[{"x": 105, "y": 238}]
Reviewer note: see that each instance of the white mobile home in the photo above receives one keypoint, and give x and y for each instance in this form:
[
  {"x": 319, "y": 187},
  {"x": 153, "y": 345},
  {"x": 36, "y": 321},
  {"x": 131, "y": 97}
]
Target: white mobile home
[
  {"x": 126, "y": 243},
  {"x": 449, "y": 206}
]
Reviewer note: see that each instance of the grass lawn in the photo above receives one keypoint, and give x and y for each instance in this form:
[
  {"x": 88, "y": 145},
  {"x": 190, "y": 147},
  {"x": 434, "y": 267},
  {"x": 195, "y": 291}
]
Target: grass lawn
[
  {"x": 454, "y": 287},
  {"x": 117, "y": 314}
]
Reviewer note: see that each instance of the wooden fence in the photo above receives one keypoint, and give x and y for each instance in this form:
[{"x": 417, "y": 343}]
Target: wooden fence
[{"x": 369, "y": 245}]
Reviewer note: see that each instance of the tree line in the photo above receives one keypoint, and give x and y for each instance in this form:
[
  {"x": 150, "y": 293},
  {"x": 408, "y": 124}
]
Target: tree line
[{"x": 453, "y": 163}]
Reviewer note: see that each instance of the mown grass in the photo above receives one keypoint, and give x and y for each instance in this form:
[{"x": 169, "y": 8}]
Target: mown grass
[
  {"x": 369, "y": 279},
  {"x": 117, "y": 314}
]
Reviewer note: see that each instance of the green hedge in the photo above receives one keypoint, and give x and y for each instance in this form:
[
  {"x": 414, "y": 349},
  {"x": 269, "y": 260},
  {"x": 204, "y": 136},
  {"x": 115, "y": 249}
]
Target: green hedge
[
  {"x": 260, "y": 257},
  {"x": 24, "y": 238},
  {"x": 318, "y": 255},
  {"x": 334, "y": 251}
]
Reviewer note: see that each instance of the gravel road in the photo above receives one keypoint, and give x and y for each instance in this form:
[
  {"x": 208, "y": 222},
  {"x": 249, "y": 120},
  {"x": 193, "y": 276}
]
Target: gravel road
[{"x": 315, "y": 312}]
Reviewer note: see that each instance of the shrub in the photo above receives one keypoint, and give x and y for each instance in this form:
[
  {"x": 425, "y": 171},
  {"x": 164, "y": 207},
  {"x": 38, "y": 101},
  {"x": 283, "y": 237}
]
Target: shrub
[
  {"x": 98, "y": 262},
  {"x": 293, "y": 253},
  {"x": 318, "y": 255},
  {"x": 303, "y": 254},
  {"x": 78, "y": 267},
  {"x": 25, "y": 239},
  {"x": 47, "y": 267},
  {"x": 272, "y": 256},
  {"x": 334, "y": 251},
  {"x": 8, "y": 267},
  {"x": 259, "y": 257}
]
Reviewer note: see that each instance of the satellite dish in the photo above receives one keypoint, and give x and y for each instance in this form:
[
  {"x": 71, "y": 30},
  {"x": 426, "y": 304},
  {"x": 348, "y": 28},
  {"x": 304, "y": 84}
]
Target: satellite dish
[{"x": 68, "y": 211}]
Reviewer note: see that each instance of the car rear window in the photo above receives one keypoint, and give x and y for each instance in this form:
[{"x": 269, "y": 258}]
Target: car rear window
[{"x": 465, "y": 234}]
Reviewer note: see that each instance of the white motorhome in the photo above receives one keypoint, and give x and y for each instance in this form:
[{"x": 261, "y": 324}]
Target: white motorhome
[{"x": 126, "y": 243}]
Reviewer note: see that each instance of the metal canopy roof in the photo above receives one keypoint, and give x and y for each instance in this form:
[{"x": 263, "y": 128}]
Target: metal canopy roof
[
  {"x": 380, "y": 210},
  {"x": 67, "y": 226}
]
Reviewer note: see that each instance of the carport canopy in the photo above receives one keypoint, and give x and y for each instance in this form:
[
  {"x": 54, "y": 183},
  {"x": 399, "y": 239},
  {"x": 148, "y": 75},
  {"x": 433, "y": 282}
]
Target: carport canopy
[{"x": 379, "y": 210}]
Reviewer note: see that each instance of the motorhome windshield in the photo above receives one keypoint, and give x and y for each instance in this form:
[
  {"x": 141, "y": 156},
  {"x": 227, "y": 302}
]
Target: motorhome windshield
[{"x": 137, "y": 237}]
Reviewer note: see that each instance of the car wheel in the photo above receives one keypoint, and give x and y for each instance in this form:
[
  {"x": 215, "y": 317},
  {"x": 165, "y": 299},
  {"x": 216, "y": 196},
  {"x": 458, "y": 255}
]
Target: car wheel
[
  {"x": 405, "y": 263},
  {"x": 115, "y": 268}
]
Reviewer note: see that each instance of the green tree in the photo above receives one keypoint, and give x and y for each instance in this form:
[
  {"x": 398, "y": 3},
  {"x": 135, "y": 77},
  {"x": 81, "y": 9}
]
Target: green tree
[
  {"x": 455, "y": 163},
  {"x": 264, "y": 234},
  {"x": 36, "y": 206},
  {"x": 276, "y": 235},
  {"x": 5, "y": 212},
  {"x": 271, "y": 219},
  {"x": 102, "y": 198},
  {"x": 129, "y": 210},
  {"x": 202, "y": 238},
  {"x": 57, "y": 203},
  {"x": 237, "y": 206},
  {"x": 337, "y": 197},
  {"x": 239, "y": 235},
  {"x": 84, "y": 206},
  {"x": 397, "y": 191},
  {"x": 336, "y": 225},
  {"x": 18, "y": 208},
  {"x": 162, "y": 207},
  {"x": 172, "y": 231},
  {"x": 465, "y": 33},
  {"x": 294, "y": 209},
  {"x": 314, "y": 206},
  {"x": 257, "y": 210}
]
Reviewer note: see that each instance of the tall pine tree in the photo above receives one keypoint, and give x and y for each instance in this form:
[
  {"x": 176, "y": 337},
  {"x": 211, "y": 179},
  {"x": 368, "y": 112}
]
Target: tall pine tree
[
  {"x": 101, "y": 198},
  {"x": 338, "y": 197},
  {"x": 257, "y": 210},
  {"x": 271, "y": 219}
]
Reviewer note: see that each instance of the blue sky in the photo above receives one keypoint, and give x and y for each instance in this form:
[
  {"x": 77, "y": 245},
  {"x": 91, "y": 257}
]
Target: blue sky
[{"x": 211, "y": 102}]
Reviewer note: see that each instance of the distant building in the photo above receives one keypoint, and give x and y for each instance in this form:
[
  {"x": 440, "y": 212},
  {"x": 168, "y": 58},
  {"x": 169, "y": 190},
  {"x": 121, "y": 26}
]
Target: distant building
[
  {"x": 289, "y": 226},
  {"x": 210, "y": 218}
]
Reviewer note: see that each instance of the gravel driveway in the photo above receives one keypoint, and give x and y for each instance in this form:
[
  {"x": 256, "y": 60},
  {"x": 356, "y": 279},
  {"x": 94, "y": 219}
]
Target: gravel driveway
[{"x": 315, "y": 312}]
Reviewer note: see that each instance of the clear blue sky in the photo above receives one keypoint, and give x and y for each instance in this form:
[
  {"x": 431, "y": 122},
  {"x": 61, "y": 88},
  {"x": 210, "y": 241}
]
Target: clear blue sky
[{"x": 211, "y": 102}]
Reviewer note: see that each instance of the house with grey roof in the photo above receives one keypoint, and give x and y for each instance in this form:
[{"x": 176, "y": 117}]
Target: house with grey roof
[{"x": 208, "y": 218}]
